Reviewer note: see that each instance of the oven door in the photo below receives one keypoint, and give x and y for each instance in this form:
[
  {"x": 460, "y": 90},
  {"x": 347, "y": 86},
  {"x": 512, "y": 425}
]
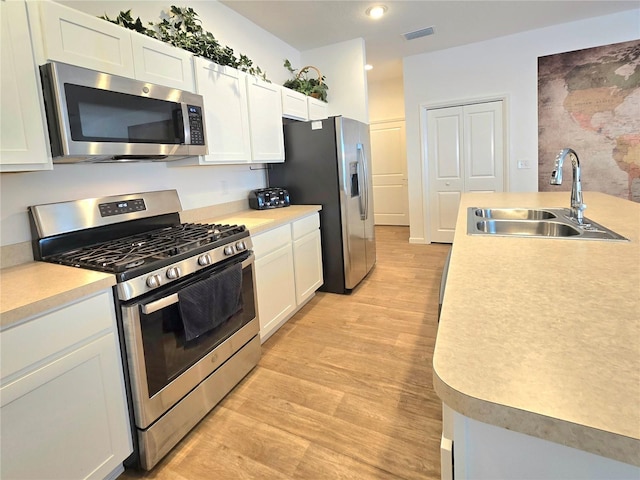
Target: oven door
[{"x": 163, "y": 365}]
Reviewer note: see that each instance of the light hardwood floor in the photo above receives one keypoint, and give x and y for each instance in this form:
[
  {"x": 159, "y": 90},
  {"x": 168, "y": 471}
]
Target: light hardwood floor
[{"x": 342, "y": 391}]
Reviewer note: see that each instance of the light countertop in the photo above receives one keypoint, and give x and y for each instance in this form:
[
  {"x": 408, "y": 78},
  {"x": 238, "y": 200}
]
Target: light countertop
[
  {"x": 32, "y": 288},
  {"x": 35, "y": 287},
  {"x": 542, "y": 336},
  {"x": 258, "y": 221}
]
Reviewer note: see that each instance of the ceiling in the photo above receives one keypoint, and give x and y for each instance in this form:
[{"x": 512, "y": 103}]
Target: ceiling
[{"x": 307, "y": 24}]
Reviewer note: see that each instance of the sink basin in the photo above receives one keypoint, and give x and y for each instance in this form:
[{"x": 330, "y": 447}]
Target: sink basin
[
  {"x": 514, "y": 213},
  {"x": 535, "y": 223},
  {"x": 527, "y": 228}
]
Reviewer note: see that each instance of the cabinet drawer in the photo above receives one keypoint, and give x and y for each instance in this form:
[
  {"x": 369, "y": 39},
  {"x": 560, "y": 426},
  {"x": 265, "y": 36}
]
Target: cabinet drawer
[
  {"x": 43, "y": 336},
  {"x": 266, "y": 242},
  {"x": 305, "y": 225}
]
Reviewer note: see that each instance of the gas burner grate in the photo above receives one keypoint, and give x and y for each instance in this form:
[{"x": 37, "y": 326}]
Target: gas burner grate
[{"x": 130, "y": 252}]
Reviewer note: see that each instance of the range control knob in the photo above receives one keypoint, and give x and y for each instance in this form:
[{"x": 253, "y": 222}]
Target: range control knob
[
  {"x": 173, "y": 273},
  {"x": 154, "y": 281},
  {"x": 228, "y": 250},
  {"x": 240, "y": 246},
  {"x": 204, "y": 260}
]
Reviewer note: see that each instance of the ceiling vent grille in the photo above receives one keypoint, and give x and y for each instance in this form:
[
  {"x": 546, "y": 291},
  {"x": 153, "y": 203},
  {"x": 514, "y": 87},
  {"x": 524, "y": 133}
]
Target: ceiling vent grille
[{"x": 419, "y": 33}]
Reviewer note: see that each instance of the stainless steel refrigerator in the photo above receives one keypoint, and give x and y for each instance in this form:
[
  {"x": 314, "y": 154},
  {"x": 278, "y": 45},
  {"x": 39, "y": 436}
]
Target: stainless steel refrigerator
[{"x": 328, "y": 162}]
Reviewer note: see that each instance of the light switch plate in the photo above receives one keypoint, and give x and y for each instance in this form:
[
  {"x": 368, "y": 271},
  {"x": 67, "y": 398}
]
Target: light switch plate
[{"x": 524, "y": 164}]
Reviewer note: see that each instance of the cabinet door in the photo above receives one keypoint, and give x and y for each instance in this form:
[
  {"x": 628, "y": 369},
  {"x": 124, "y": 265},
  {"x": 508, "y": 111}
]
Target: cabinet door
[
  {"x": 67, "y": 418},
  {"x": 294, "y": 104},
  {"x": 23, "y": 136},
  {"x": 275, "y": 288},
  {"x": 265, "y": 120},
  {"x": 307, "y": 257},
  {"x": 226, "y": 114},
  {"x": 62, "y": 397},
  {"x": 73, "y": 37},
  {"x": 157, "y": 62},
  {"x": 317, "y": 109}
]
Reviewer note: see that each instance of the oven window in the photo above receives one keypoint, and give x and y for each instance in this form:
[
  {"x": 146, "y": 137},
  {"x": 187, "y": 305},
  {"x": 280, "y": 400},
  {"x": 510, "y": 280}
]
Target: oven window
[
  {"x": 166, "y": 352},
  {"x": 97, "y": 115}
]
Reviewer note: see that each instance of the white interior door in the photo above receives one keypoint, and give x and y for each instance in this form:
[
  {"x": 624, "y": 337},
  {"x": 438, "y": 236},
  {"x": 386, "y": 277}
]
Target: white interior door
[
  {"x": 389, "y": 165},
  {"x": 483, "y": 148},
  {"x": 465, "y": 151},
  {"x": 446, "y": 182}
]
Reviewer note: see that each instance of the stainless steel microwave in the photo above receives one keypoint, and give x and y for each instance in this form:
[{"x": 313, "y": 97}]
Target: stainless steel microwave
[{"x": 97, "y": 117}]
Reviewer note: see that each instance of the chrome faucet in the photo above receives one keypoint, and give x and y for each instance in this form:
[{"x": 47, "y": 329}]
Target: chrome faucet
[{"x": 577, "y": 207}]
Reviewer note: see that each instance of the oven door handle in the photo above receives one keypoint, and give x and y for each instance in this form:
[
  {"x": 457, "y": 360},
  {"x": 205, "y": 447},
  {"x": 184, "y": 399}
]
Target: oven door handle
[{"x": 171, "y": 299}]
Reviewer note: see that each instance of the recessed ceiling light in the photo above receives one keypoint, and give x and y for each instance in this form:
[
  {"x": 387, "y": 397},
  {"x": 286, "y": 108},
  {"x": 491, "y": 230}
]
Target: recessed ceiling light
[
  {"x": 376, "y": 11},
  {"x": 368, "y": 67}
]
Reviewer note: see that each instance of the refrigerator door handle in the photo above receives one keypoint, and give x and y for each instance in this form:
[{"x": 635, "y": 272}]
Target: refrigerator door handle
[{"x": 365, "y": 180}]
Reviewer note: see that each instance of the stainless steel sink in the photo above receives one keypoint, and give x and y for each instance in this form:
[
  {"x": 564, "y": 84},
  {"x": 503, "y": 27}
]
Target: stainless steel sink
[
  {"x": 526, "y": 228},
  {"x": 535, "y": 223},
  {"x": 514, "y": 213}
]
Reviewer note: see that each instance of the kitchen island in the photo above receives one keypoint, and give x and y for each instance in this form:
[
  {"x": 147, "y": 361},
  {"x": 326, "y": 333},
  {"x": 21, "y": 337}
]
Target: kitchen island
[{"x": 542, "y": 337}]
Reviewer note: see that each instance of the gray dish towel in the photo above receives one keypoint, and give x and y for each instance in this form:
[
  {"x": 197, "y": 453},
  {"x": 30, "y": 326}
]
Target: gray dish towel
[{"x": 210, "y": 302}]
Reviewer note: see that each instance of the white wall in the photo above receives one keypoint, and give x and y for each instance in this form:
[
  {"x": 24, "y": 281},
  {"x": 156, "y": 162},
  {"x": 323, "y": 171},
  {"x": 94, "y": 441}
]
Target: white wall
[
  {"x": 386, "y": 100},
  {"x": 197, "y": 186},
  {"x": 343, "y": 66},
  {"x": 503, "y": 66}
]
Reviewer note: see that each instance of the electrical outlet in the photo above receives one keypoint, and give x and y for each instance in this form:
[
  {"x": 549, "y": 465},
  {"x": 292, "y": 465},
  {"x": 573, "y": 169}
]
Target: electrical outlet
[{"x": 523, "y": 164}]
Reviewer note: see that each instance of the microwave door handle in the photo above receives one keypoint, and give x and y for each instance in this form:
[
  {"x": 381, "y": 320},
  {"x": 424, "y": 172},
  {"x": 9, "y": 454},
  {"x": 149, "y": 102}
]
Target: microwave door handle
[
  {"x": 183, "y": 129},
  {"x": 171, "y": 299}
]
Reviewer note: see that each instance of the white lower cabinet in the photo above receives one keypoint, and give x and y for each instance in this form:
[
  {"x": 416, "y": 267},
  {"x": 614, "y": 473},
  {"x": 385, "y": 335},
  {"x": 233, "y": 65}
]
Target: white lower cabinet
[
  {"x": 63, "y": 407},
  {"x": 288, "y": 271},
  {"x": 275, "y": 281},
  {"x": 307, "y": 257},
  {"x": 478, "y": 450}
]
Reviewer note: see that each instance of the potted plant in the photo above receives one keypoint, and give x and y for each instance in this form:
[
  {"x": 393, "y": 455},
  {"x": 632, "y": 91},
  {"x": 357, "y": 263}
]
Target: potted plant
[
  {"x": 313, "y": 87},
  {"x": 182, "y": 28}
]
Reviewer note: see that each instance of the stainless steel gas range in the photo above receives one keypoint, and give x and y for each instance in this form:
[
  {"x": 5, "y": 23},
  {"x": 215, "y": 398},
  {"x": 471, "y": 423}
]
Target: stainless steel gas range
[{"x": 185, "y": 302}]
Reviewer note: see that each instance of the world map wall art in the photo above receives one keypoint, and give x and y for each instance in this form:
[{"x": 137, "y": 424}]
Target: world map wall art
[{"x": 589, "y": 100}]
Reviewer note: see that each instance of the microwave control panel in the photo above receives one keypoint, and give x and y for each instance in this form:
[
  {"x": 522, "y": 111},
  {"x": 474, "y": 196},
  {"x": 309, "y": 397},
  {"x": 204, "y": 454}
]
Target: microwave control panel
[{"x": 195, "y": 125}]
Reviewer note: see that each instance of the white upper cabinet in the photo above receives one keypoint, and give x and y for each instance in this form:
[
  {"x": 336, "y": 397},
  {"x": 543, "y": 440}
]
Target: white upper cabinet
[
  {"x": 76, "y": 38},
  {"x": 226, "y": 112},
  {"x": 294, "y": 104},
  {"x": 265, "y": 120},
  {"x": 23, "y": 136},
  {"x": 298, "y": 106},
  {"x": 160, "y": 63},
  {"x": 317, "y": 109},
  {"x": 80, "y": 39},
  {"x": 243, "y": 116}
]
